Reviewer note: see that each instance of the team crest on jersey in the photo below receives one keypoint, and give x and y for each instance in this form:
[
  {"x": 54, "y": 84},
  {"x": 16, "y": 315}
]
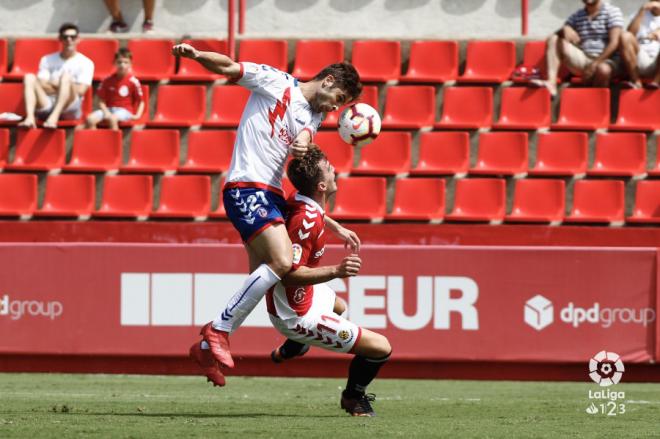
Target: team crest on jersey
[
  {"x": 284, "y": 135},
  {"x": 299, "y": 295},
  {"x": 297, "y": 253},
  {"x": 123, "y": 91},
  {"x": 262, "y": 212},
  {"x": 344, "y": 335}
]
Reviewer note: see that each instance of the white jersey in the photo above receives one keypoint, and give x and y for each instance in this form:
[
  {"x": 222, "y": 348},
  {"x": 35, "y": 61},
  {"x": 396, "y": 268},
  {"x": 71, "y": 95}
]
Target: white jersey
[
  {"x": 650, "y": 23},
  {"x": 274, "y": 115},
  {"x": 79, "y": 67}
]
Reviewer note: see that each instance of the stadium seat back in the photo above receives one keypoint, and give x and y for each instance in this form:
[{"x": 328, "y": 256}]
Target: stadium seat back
[
  {"x": 377, "y": 60},
  {"x": 432, "y": 61},
  {"x": 525, "y": 108},
  {"x": 443, "y": 152},
  {"x": 409, "y": 107},
  {"x": 153, "y": 151},
  {"x": 619, "y": 154},
  {"x": 360, "y": 198},
  {"x": 481, "y": 199},
  {"x": 227, "y": 104},
  {"x": 274, "y": 53},
  {"x": 418, "y": 199},
  {"x": 647, "y": 202},
  {"x": 584, "y": 109},
  {"x": 191, "y": 70},
  {"x": 209, "y": 151},
  {"x": 467, "y": 108},
  {"x": 28, "y": 53},
  {"x": 638, "y": 110},
  {"x": 501, "y": 153},
  {"x": 3, "y": 57},
  {"x": 18, "y": 194},
  {"x": 184, "y": 196},
  {"x": 126, "y": 196},
  {"x": 489, "y": 61},
  {"x": 4, "y": 147},
  {"x": 96, "y": 150},
  {"x": 11, "y": 100},
  {"x": 152, "y": 59},
  {"x": 339, "y": 153},
  {"x": 561, "y": 153},
  {"x": 313, "y": 55},
  {"x": 180, "y": 105},
  {"x": 102, "y": 53},
  {"x": 597, "y": 201},
  {"x": 389, "y": 154},
  {"x": 538, "y": 200},
  {"x": 68, "y": 195},
  {"x": 39, "y": 150}
]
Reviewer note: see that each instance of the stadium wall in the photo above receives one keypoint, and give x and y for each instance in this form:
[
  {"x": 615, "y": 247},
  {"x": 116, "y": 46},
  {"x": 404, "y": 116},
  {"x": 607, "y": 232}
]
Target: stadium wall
[{"x": 395, "y": 19}]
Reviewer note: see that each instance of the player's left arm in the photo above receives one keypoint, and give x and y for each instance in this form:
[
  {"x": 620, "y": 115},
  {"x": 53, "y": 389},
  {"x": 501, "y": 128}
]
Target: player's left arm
[
  {"x": 301, "y": 276},
  {"x": 349, "y": 237}
]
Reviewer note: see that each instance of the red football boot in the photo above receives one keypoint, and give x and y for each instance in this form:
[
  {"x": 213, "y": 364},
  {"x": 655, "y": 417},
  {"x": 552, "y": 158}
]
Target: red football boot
[
  {"x": 219, "y": 342},
  {"x": 206, "y": 362}
]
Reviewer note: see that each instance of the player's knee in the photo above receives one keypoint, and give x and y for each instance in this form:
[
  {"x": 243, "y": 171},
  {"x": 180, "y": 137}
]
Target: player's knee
[
  {"x": 380, "y": 346},
  {"x": 627, "y": 39},
  {"x": 29, "y": 79},
  {"x": 281, "y": 265}
]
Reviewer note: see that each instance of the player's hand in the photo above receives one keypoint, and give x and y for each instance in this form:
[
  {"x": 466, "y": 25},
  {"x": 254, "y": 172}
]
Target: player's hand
[
  {"x": 349, "y": 237},
  {"x": 655, "y": 35},
  {"x": 185, "y": 50},
  {"x": 350, "y": 266},
  {"x": 298, "y": 148}
]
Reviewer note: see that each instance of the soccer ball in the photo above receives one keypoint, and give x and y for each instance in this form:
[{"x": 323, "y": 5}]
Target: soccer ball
[{"x": 359, "y": 124}]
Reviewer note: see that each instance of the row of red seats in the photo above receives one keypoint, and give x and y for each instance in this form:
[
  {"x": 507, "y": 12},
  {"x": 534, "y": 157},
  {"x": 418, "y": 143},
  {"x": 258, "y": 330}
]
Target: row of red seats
[
  {"x": 377, "y": 61},
  {"x": 358, "y": 198},
  {"x": 440, "y": 153},
  {"x": 413, "y": 107}
]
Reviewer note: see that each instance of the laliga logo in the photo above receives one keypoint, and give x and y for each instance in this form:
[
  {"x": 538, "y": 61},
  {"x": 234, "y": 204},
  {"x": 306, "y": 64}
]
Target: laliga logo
[{"x": 606, "y": 368}]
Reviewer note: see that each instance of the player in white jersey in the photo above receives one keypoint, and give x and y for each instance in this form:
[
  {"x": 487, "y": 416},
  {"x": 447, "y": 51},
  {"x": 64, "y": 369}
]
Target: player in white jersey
[
  {"x": 302, "y": 307},
  {"x": 281, "y": 117}
]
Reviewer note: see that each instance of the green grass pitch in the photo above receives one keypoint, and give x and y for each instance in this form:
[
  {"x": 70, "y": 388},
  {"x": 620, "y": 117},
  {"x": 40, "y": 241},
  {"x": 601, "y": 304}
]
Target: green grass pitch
[{"x": 136, "y": 406}]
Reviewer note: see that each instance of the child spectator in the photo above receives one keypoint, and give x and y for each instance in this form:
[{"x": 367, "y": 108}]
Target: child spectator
[{"x": 120, "y": 95}]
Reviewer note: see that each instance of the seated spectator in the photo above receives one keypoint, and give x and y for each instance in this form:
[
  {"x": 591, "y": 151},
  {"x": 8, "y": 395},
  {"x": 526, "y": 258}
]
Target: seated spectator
[
  {"x": 58, "y": 89},
  {"x": 640, "y": 46},
  {"x": 119, "y": 25},
  {"x": 585, "y": 45},
  {"x": 120, "y": 95}
]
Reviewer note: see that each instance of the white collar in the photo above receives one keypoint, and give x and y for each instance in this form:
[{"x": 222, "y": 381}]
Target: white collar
[{"x": 301, "y": 197}]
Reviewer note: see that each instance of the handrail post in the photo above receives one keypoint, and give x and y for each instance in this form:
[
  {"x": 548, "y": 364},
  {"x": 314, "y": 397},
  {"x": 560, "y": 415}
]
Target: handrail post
[
  {"x": 231, "y": 30},
  {"x": 525, "y": 16},
  {"x": 241, "y": 17}
]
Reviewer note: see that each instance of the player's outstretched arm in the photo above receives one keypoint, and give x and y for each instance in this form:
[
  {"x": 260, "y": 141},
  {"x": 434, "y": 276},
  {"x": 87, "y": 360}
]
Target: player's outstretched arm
[
  {"x": 349, "y": 266},
  {"x": 215, "y": 62},
  {"x": 349, "y": 237}
]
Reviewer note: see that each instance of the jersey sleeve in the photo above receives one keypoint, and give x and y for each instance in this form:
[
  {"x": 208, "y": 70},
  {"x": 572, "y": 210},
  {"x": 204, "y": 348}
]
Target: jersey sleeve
[
  {"x": 303, "y": 233},
  {"x": 263, "y": 79},
  {"x": 572, "y": 20},
  {"x": 615, "y": 18},
  {"x": 44, "y": 71},
  {"x": 85, "y": 73},
  {"x": 136, "y": 92}
]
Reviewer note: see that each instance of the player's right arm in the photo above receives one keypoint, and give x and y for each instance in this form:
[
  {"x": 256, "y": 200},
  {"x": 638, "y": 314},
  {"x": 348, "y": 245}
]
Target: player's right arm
[
  {"x": 349, "y": 266},
  {"x": 214, "y": 62}
]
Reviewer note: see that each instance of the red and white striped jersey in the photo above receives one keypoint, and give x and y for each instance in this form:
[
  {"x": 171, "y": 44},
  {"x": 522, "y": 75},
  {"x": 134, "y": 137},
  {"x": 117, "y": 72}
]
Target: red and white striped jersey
[
  {"x": 274, "y": 115},
  {"x": 306, "y": 227}
]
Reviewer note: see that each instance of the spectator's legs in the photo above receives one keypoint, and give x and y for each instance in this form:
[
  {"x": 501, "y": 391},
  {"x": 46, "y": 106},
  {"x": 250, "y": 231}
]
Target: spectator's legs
[
  {"x": 115, "y": 10},
  {"x": 113, "y": 121},
  {"x": 148, "y": 24},
  {"x": 92, "y": 120},
  {"x": 603, "y": 75},
  {"x": 553, "y": 62},
  {"x": 33, "y": 94},
  {"x": 629, "y": 49},
  {"x": 66, "y": 94}
]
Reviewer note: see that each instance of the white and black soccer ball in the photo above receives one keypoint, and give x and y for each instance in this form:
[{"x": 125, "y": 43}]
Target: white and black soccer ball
[{"x": 359, "y": 124}]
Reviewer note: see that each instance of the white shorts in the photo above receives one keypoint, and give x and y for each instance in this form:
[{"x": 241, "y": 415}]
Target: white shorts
[
  {"x": 646, "y": 64},
  {"x": 320, "y": 326},
  {"x": 72, "y": 112},
  {"x": 122, "y": 113}
]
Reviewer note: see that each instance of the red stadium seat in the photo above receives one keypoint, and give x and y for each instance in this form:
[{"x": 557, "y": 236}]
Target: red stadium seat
[
  {"x": 39, "y": 150},
  {"x": 389, "y": 154},
  {"x": 467, "y": 108},
  {"x": 538, "y": 200},
  {"x": 102, "y": 52},
  {"x": 153, "y": 151},
  {"x": 184, "y": 196},
  {"x": 418, "y": 199},
  {"x": 313, "y": 55},
  {"x": 274, "y": 53},
  {"x": 377, "y": 61},
  {"x": 219, "y": 211},
  {"x": 525, "y": 108},
  {"x": 191, "y": 70},
  {"x": 534, "y": 57},
  {"x": 11, "y": 101},
  {"x": 360, "y": 198},
  {"x": 443, "y": 152},
  {"x": 209, "y": 151},
  {"x": 561, "y": 153},
  {"x": 655, "y": 171},
  {"x": 597, "y": 201},
  {"x": 95, "y": 151},
  {"x": 339, "y": 153},
  {"x": 3, "y": 57},
  {"x": 638, "y": 110},
  {"x": 227, "y": 103},
  {"x": 409, "y": 107},
  {"x": 583, "y": 109},
  {"x": 501, "y": 153},
  {"x": 432, "y": 61},
  {"x": 28, "y": 53},
  {"x": 369, "y": 96},
  {"x": 69, "y": 195},
  {"x": 18, "y": 195},
  {"x": 619, "y": 154},
  {"x": 126, "y": 196},
  {"x": 152, "y": 59},
  {"x": 179, "y": 106},
  {"x": 479, "y": 199},
  {"x": 647, "y": 203},
  {"x": 489, "y": 61},
  {"x": 4, "y": 147}
]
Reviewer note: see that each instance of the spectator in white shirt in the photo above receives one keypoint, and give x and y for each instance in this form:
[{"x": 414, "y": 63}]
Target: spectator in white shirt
[
  {"x": 640, "y": 46},
  {"x": 57, "y": 91}
]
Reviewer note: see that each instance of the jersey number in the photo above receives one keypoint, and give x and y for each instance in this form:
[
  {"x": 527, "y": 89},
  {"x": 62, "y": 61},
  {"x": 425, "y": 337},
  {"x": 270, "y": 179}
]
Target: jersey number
[{"x": 253, "y": 200}]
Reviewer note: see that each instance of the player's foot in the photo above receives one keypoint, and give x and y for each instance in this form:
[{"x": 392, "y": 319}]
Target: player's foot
[
  {"x": 277, "y": 357},
  {"x": 359, "y": 405},
  {"x": 207, "y": 363},
  {"x": 219, "y": 342}
]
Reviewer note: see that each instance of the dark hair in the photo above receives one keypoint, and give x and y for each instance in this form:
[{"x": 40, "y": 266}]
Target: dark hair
[
  {"x": 305, "y": 173},
  {"x": 66, "y": 26},
  {"x": 346, "y": 78},
  {"x": 123, "y": 53}
]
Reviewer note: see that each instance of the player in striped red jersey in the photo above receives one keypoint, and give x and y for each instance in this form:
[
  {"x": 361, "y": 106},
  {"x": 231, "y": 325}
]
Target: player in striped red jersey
[{"x": 302, "y": 307}]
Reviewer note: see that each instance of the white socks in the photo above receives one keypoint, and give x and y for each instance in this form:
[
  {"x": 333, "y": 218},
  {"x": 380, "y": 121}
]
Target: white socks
[{"x": 244, "y": 301}]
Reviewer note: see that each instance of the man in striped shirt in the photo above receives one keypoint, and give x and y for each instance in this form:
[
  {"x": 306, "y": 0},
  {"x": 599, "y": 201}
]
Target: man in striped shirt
[{"x": 585, "y": 45}]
